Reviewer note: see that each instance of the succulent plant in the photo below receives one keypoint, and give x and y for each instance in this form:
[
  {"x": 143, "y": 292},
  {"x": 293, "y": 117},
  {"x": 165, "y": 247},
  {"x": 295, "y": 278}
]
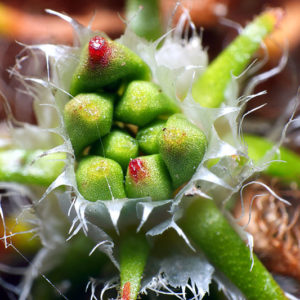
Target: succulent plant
[{"x": 174, "y": 188}]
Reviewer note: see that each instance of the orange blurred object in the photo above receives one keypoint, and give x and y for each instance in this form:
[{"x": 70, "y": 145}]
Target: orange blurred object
[
  {"x": 204, "y": 12},
  {"x": 22, "y": 26},
  {"x": 287, "y": 32}
]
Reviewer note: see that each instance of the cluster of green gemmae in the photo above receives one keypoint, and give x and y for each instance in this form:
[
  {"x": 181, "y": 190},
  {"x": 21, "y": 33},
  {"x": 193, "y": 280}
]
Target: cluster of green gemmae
[
  {"x": 131, "y": 141},
  {"x": 140, "y": 132},
  {"x": 160, "y": 153}
]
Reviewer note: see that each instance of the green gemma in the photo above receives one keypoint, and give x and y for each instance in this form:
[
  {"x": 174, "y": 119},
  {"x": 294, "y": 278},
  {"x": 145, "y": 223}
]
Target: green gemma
[
  {"x": 147, "y": 176},
  {"x": 88, "y": 117},
  {"x": 182, "y": 146},
  {"x": 143, "y": 102},
  {"x": 104, "y": 62},
  {"x": 117, "y": 145},
  {"x": 147, "y": 137},
  {"x": 100, "y": 178}
]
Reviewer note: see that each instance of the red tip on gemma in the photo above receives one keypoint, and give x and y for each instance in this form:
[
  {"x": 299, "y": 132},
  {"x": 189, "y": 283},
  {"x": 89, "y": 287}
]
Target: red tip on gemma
[
  {"x": 98, "y": 50},
  {"x": 126, "y": 291},
  {"x": 137, "y": 169}
]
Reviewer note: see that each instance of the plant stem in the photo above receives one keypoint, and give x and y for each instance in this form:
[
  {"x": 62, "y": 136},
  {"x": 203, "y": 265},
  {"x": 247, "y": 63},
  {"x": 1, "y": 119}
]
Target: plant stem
[
  {"x": 287, "y": 169},
  {"x": 25, "y": 166},
  {"x": 205, "y": 224},
  {"x": 134, "y": 250},
  {"x": 209, "y": 89},
  {"x": 144, "y": 19}
]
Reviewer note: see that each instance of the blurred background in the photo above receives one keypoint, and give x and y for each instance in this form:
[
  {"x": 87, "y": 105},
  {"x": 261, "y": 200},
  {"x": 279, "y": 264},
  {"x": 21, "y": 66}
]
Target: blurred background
[{"x": 27, "y": 22}]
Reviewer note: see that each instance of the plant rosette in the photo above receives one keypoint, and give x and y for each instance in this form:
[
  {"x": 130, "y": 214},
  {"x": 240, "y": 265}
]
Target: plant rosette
[{"x": 176, "y": 63}]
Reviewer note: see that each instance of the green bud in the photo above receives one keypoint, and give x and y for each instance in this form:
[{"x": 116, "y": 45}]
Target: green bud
[
  {"x": 104, "y": 62},
  {"x": 117, "y": 145},
  {"x": 100, "y": 178},
  {"x": 144, "y": 19},
  {"x": 148, "y": 176},
  {"x": 147, "y": 137},
  {"x": 182, "y": 146},
  {"x": 143, "y": 102},
  {"x": 87, "y": 118}
]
